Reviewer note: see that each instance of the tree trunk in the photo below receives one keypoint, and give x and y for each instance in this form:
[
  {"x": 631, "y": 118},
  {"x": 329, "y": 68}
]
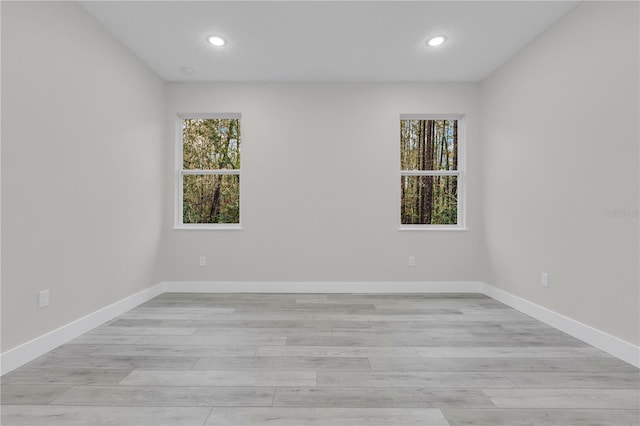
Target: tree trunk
[
  {"x": 214, "y": 213},
  {"x": 421, "y": 166},
  {"x": 443, "y": 160},
  {"x": 427, "y": 196}
]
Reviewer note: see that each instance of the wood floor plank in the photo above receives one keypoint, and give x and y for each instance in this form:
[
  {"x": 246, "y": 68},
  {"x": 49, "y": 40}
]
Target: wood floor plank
[
  {"x": 212, "y": 340},
  {"x": 31, "y": 394},
  {"x": 281, "y": 416},
  {"x": 625, "y": 399},
  {"x": 71, "y": 376},
  {"x": 144, "y": 331},
  {"x": 335, "y": 351},
  {"x": 244, "y": 297},
  {"x": 500, "y": 352},
  {"x": 423, "y": 340},
  {"x": 381, "y": 316},
  {"x": 575, "y": 380},
  {"x": 425, "y": 310},
  {"x": 435, "y": 325},
  {"x": 235, "y": 378},
  {"x": 177, "y": 350},
  {"x": 52, "y": 415},
  {"x": 431, "y": 333},
  {"x": 248, "y": 333},
  {"x": 412, "y": 379},
  {"x": 546, "y": 365},
  {"x": 98, "y": 339},
  {"x": 546, "y": 417},
  {"x": 74, "y": 349},
  {"x": 249, "y": 316},
  {"x": 167, "y": 396},
  {"x": 411, "y": 297},
  {"x": 380, "y": 397},
  {"x": 241, "y": 324},
  {"x": 114, "y": 362},
  {"x": 282, "y": 363}
]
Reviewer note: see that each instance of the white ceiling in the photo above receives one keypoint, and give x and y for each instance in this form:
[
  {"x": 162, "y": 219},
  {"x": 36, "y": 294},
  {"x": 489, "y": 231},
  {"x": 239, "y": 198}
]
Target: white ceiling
[{"x": 326, "y": 40}]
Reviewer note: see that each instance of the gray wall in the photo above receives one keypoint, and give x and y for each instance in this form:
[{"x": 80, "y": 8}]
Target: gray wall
[
  {"x": 560, "y": 149},
  {"x": 320, "y": 185},
  {"x": 82, "y": 130}
]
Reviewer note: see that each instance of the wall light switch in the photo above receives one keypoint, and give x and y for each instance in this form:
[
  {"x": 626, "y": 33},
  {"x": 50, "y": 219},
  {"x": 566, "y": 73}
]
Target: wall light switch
[
  {"x": 412, "y": 261},
  {"x": 203, "y": 260}
]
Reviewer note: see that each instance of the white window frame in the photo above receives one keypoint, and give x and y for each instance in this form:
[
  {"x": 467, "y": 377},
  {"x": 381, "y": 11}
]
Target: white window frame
[
  {"x": 460, "y": 173},
  {"x": 181, "y": 172}
]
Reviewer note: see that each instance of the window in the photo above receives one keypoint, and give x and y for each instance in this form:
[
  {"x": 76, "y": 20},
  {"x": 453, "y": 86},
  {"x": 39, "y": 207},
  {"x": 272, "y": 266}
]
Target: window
[
  {"x": 209, "y": 171},
  {"x": 431, "y": 172}
]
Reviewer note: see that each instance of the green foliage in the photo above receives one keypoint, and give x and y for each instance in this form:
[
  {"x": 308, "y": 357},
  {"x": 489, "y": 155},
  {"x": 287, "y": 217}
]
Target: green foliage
[
  {"x": 415, "y": 140},
  {"x": 211, "y": 199},
  {"x": 211, "y": 144},
  {"x": 443, "y": 204}
]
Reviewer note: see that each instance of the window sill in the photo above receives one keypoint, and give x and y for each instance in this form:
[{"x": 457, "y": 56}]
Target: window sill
[
  {"x": 212, "y": 227},
  {"x": 432, "y": 228}
]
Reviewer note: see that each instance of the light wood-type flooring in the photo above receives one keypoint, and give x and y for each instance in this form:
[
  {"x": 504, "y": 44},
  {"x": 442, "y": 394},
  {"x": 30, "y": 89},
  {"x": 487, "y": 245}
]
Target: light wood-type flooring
[{"x": 323, "y": 359}]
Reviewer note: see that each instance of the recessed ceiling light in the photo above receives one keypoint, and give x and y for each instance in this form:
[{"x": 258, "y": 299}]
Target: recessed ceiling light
[
  {"x": 187, "y": 70},
  {"x": 217, "y": 41},
  {"x": 436, "y": 41}
]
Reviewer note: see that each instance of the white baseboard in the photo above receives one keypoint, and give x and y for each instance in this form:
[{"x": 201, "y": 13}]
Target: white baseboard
[
  {"x": 20, "y": 355},
  {"x": 321, "y": 287},
  {"x": 29, "y": 351},
  {"x": 619, "y": 348}
]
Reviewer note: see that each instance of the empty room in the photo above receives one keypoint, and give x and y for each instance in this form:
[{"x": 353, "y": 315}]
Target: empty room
[{"x": 320, "y": 213}]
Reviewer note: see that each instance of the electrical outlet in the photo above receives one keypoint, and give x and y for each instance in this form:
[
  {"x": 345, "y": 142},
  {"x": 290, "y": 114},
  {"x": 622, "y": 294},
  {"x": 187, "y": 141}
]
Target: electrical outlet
[
  {"x": 412, "y": 261},
  {"x": 544, "y": 279},
  {"x": 43, "y": 299},
  {"x": 203, "y": 260}
]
